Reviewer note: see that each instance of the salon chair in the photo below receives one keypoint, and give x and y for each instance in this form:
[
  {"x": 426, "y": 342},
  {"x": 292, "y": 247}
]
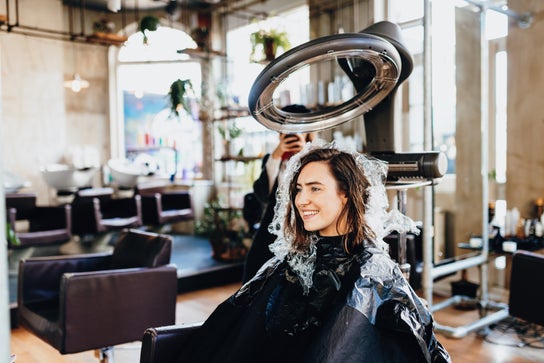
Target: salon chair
[
  {"x": 45, "y": 225},
  {"x": 96, "y": 218},
  {"x": 165, "y": 207},
  {"x": 96, "y": 301},
  {"x": 526, "y": 281},
  {"x": 162, "y": 344}
]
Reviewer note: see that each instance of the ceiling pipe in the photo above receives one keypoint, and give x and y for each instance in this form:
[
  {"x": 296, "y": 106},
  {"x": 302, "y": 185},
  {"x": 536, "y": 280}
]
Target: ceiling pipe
[
  {"x": 33, "y": 31},
  {"x": 82, "y": 17}
]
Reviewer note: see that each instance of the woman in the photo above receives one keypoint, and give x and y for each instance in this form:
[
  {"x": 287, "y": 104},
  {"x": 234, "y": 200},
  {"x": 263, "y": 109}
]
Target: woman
[{"x": 331, "y": 293}]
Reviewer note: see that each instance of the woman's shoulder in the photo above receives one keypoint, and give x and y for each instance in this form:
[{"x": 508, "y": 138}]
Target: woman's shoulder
[{"x": 381, "y": 275}]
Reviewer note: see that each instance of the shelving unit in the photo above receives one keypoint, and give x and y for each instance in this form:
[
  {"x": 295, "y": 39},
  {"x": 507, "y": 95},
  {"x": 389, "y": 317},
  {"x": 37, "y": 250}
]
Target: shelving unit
[{"x": 237, "y": 161}]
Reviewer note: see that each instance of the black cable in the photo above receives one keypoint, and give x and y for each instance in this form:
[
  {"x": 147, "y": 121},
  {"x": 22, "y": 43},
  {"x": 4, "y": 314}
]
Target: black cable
[{"x": 514, "y": 332}]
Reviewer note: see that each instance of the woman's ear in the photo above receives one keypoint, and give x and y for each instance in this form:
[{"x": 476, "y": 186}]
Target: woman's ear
[{"x": 344, "y": 198}]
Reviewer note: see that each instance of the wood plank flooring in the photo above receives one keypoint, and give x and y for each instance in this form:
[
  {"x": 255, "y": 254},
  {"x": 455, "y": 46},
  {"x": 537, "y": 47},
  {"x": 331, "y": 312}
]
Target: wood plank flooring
[{"x": 197, "y": 305}]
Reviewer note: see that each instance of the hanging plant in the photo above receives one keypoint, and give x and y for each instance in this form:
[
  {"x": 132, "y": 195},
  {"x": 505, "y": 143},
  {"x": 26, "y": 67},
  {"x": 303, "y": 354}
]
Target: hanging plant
[
  {"x": 150, "y": 23},
  {"x": 264, "y": 44},
  {"x": 178, "y": 93}
]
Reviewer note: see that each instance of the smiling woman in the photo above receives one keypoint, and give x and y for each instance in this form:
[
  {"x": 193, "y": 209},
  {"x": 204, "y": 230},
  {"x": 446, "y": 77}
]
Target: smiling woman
[{"x": 331, "y": 293}]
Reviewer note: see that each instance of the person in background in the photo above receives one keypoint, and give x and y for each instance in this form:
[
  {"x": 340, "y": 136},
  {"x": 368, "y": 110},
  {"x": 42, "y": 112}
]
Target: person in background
[
  {"x": 331, "y": 293},
  {"x": 264, "y": 189}
]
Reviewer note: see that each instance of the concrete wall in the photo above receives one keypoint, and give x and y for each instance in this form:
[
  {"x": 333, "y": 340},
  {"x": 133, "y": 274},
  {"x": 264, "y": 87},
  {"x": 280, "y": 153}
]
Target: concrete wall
[
  {"x": 525, "y": 173},
  {"x": 41, "y": 119}
]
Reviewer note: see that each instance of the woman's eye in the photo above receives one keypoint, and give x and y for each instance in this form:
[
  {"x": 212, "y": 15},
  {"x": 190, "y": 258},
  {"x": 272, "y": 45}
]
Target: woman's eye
[{"x": 315, "y": 189}]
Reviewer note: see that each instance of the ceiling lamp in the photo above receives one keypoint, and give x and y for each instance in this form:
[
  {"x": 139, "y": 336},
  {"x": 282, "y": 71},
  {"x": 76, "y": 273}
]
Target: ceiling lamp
[{"x": 76, "y": 84}]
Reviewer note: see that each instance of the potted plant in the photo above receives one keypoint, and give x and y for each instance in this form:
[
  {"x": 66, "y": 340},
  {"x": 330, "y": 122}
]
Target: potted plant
[
  {"x": 148, "y": 23},
  {"x": 229, "y": 133},
  {"x": 227, "y": 231},
  {"x": 104, "y": 33},
  {"x": 264, "y": 44},
  {"x": 178, "y": 93}
]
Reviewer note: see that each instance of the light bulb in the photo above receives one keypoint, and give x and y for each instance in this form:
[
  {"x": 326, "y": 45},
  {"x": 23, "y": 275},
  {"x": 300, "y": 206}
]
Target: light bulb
[{"x": 76, "y": 84}]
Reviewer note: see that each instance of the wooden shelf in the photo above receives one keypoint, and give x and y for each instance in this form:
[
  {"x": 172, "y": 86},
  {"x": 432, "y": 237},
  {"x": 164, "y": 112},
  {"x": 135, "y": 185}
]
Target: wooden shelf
[
  {"x": 202, "y": 53},
  {"x": 107, "y": 39},
  {"x": 227, "y": 113},
  {"x": 243, "y": 159}
]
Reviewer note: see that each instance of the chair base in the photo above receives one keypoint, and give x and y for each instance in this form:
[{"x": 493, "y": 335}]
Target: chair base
[{"x": 104, "y": 355}]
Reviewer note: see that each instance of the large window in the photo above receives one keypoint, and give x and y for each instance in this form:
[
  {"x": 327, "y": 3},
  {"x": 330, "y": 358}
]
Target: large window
[
  {"x": 152, "y": 134},
  {"x": 443, "y": 53},
  {"x": 241, "y": 71}
]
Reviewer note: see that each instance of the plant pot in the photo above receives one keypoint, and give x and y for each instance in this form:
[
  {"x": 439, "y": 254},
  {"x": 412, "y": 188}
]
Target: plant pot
[
  {"x": 269, "y": 49},
  {"x": 218, "y": 247},
  {"x": 224, "y": 250}
]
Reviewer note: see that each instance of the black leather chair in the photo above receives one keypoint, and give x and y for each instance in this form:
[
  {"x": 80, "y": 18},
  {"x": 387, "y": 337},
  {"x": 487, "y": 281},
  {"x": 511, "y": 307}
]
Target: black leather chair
[
  {"x": 98, "y": 214},
  {"x": 47, "y": 225},
  {"x": 96, "y": 301},
  {"x": 164, "y": 207},
  {"x": 162, "y": 344},
  {"x": 526, "y": 280}
]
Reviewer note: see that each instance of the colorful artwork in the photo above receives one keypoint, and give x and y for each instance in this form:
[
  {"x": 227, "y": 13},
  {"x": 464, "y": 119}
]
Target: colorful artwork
[{"x": 162, "y": 140}]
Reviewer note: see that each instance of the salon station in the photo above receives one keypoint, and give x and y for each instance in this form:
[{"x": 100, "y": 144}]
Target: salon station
[{"x": 132, "y": 132}]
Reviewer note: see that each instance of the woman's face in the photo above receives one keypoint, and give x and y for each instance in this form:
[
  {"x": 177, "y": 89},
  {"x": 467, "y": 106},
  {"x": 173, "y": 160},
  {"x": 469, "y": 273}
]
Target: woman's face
[{"x": 318, "y": 200}]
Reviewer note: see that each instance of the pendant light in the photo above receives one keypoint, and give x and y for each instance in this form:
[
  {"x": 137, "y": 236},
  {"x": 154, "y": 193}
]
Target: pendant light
[{"x": 77, "y": 83}]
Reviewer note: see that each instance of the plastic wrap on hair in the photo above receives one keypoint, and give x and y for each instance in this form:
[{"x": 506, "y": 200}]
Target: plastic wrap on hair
[{"x": 379, "y": 220}]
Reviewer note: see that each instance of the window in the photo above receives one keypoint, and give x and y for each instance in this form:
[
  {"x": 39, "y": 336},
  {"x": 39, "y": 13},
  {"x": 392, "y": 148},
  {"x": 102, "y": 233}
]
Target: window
[
  {"x": 150, "y": 133},
  {"x": 409, "y": 14},
  {"x": 241, "y": 72}
]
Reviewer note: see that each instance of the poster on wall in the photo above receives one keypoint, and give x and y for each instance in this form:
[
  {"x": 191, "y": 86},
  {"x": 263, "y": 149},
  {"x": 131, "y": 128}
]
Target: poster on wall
[{"x": 161, "y": 140}]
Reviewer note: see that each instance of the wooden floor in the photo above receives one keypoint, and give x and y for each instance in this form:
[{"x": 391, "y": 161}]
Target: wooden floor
[{"x": 196, "y": 306}]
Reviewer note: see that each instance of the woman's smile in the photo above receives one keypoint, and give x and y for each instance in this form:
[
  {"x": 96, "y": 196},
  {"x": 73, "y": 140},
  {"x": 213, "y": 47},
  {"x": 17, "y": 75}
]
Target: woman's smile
[{"x": 308, "y": 213}]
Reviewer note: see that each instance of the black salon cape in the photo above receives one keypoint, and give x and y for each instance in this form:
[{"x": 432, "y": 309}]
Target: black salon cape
[{"x": 379, "y": 318}]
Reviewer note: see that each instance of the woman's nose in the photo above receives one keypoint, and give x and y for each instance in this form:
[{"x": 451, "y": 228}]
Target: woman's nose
[{"x": 302, "y": 198}]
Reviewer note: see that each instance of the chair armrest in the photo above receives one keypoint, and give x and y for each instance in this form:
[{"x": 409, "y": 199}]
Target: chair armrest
[
  {"x": 39, "y": 277},
  {"x": 162, "y": 344},
  {"x": 110, "y": 307}
]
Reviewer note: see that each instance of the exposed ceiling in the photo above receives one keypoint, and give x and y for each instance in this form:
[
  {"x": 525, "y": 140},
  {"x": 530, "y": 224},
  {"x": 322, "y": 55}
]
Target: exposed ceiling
[{"x": 131, "y": 5}]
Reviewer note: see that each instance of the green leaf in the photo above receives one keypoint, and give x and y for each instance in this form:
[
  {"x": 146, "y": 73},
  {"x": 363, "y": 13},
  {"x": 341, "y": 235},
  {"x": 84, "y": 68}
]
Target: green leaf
[{"x": 11, "y": 236}]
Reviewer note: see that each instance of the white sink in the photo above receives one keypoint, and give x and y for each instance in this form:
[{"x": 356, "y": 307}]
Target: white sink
[
  {"x": 125, "y": 173},
  {"x": 67, "y": 178},
  {"x": 13, "y": 183}
]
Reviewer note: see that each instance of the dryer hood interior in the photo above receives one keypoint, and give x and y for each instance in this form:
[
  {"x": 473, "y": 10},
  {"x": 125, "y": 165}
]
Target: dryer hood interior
[{"x": 367, "y": 67}]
